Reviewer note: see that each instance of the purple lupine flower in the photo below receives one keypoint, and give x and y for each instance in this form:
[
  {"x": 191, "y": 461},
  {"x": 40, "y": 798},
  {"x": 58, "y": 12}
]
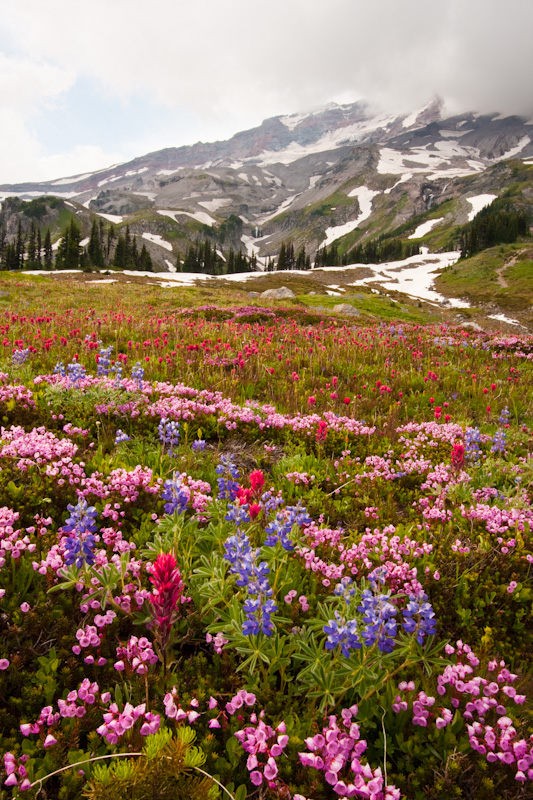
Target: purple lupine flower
[
  {"x": 137, "y": 373},
  {"x": 499, "y": 441},
  {"x": 76, "y": 372},
  {"x": 258, "y": 613},
  {"x": 82, "y": 517},
  {"x": 175, "y": 494},
  {"x": 79, "y": 546},
  {"x": 342, "y": 632},
  {"x": 20, "y": 357},
  {"x": 504, "y": 417},
  {"x": 120, "y": 436},
  {"x": 420, "y": 617},
  {"x": 346, "y": 588},
  {"x": 378, "y": 614},
  {"x": 104, "y": 361},
  {"x": 227, "y": 483},
  {"x": 279, "y": 529},
  {"x": 252, "y": 573},
  {"x": 472, "y": 442},
  {"x": 80, "y": 551},
  {"x": 169, "y": 433}
]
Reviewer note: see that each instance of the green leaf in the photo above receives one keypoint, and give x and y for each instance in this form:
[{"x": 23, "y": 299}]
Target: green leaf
[{"x": 241, "y": 792}]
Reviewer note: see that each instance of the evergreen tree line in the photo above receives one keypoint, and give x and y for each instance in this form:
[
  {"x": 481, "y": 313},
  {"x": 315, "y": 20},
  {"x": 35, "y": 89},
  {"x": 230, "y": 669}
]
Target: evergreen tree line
[
  {"x": 287, "y": 259},
  {"x": 104, "y": 249},
  {"x": 32, "y": 251},
  {"x": 204, "y": 257},
  {"x": 374, "y": 251},
  {"x": 499, "y": 223}
]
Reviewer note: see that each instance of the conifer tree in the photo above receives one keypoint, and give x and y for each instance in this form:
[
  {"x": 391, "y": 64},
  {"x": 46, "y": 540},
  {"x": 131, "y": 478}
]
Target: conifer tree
[
  {"x": 39, "y": 249},
  {"x": 231, "y": 262},
  {"x": 31, "y": 260},
  {"x": 69, "y": 250},
  {"x": 48, "y": 253},
  {"x": 19, "y": 247},
  {"x": 120, "y": 257},
  {"x": 95, "y": 252},
  {"x": 145, "y": 260},
  {"x": 282, "y": 258},
  {"x": 109, "y": 243}
]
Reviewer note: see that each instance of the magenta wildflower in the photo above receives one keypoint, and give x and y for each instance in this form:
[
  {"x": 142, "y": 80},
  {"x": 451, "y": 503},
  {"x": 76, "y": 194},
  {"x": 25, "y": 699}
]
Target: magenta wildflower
[{"x": 166, "y": 595}]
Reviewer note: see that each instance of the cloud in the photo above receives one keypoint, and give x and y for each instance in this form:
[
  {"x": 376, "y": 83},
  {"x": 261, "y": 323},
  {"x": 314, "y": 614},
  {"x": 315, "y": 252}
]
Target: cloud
[{"x": 227, "y": 65}]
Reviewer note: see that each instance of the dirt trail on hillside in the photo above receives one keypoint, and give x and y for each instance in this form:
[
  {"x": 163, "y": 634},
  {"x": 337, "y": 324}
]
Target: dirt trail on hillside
[{"x": 499, "y": 272}]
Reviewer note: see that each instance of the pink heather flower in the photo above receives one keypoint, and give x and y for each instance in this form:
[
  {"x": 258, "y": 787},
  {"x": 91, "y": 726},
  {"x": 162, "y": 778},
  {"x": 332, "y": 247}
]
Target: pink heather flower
[
  {"x": 50, "y": 741},
  {"x": 512, "y": 586},
  {"x": 4, "y": 663},
  {"x": 256, "y": 778},
  {"x": 311, "y": 400},
  {"x": 271, "y": 769},
  {"x": 24, "y": 607},
  {"x": 303, "y": 602}
]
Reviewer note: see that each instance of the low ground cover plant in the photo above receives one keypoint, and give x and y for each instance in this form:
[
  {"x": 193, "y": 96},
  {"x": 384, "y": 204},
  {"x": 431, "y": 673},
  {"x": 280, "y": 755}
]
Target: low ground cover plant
[{"x": 246, "y": 552}]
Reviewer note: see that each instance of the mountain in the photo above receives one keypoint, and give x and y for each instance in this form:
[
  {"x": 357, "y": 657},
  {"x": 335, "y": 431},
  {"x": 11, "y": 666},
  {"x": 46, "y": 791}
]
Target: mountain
[{"x": 344, "y": 173}]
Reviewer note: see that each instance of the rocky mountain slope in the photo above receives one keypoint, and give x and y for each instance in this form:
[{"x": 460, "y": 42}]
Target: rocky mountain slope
[{"x": 343, "y": 174}]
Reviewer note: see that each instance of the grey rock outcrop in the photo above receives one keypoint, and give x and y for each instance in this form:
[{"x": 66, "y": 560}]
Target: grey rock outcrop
[
  {"x": 278, "y": 294},
  {"x": 346, "y": 308}
]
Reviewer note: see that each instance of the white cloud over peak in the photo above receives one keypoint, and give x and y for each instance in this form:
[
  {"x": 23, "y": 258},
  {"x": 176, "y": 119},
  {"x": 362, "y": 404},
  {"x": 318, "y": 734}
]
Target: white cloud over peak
[{"x": 219, "y": 67}]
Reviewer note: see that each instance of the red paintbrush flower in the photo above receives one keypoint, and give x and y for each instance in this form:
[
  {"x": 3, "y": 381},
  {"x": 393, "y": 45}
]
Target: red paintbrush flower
[
  {"x": 257, "y": 481},
  {"x": 458, "y": 454},
  {"x": 166, "y": 597}
]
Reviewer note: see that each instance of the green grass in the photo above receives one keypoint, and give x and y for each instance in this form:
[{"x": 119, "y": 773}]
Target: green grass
[{"x": 476, "y": 278}]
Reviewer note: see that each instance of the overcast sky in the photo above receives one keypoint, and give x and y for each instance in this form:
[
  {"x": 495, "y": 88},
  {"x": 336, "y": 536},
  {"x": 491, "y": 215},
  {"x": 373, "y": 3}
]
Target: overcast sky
[{"x": 86, "y": 85}]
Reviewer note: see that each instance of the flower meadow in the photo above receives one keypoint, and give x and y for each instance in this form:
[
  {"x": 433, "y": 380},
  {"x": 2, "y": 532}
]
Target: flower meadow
[{"x": 261, "y": 553}]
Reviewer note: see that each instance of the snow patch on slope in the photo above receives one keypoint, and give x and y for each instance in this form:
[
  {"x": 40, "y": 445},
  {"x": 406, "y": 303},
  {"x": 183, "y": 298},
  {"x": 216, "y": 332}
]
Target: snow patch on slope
[
  {"x": 424, "y": 228},
  {"x": 157, "y": 239},
  {"x": 365, "y": 196},
  {"x": 66, "y": 181},
  {"x": 413, "y": 116},
  {"x": 412, "y": 276},
  {"x": 329, "y": 141},
  {"x": 419, "y": 160},
  {"x": 279, "y": 210},
  {"x": 405, "y": 177},
  {"x": 199, "y": 216},
  {"x": 524, "y": 141},
  {"x": 214, "y": 205},
  {"x": 448, "y": 134},
  {"x": 115, "y": 218},
  {"x": 478, "y": 202},
  {"x": 292, "y": 120}
]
